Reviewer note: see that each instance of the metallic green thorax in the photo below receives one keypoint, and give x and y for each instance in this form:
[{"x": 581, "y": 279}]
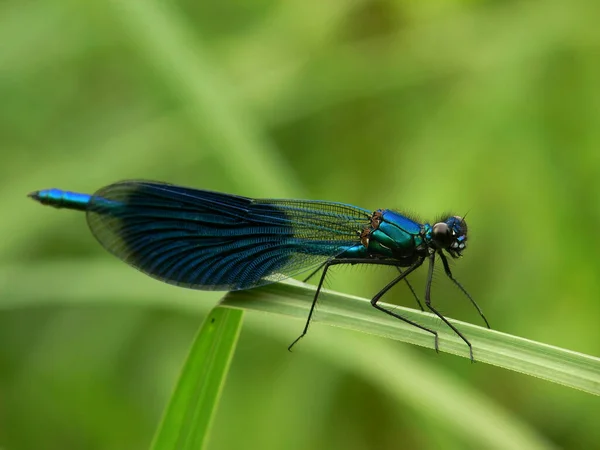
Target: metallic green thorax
[{"x": 391, "y": 235}]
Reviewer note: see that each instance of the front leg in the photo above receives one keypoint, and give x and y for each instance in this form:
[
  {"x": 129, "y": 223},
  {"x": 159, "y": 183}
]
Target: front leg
[
  {"x": 449, "y": 275},
  {"x": 430, "y": 306}
]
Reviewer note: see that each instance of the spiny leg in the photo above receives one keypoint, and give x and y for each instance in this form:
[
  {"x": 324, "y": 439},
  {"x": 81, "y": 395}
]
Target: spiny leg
[
  {"x": 429, "y": 305},
  {"x": 416, "y": 297},
  {"x": 314, "y": 272},
  {"x": 353, "y": 261},
  {"x": 391, "y": 284},
  {"x": 412, "y": 290},
  {"x": 449, "y": 275},
  {"x": 314, "y": 302}
]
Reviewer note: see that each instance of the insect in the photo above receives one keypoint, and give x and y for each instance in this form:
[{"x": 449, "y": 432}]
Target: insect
[{"x": 208, "y": 240}]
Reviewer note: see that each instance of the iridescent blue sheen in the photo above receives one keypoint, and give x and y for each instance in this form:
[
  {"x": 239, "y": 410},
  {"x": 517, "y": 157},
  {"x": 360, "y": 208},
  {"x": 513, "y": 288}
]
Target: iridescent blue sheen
[
  {"x": 209, "y": 240},
  {"x": 213, "y": 241},
  {"x": 62, "y": 199}
]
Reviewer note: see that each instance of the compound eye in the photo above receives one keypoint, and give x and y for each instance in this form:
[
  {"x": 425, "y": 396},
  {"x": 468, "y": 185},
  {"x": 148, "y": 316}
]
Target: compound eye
[{"x": 441, "y": 235}]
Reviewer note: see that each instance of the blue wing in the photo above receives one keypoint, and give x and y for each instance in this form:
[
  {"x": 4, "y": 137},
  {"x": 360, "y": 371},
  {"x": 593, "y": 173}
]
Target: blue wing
[{"x": 213, "y": 241}]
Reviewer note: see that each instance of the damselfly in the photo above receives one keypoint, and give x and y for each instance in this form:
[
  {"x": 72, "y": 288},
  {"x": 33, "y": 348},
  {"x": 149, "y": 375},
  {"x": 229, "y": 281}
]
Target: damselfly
[{"x": 212, "y": 241}]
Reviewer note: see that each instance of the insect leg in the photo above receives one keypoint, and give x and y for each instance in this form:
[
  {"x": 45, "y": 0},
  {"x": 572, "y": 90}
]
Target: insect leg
[
  {"x": 402, "y": 276},
  {"x": 314, "y": 272},
  {"x": 353, "y": 261},
  {"x": 430, "y": 306},
  {"x": 449, "y": 275},
  {"x": 326, "y": 266},
  {"x": 412, "y": 290}
]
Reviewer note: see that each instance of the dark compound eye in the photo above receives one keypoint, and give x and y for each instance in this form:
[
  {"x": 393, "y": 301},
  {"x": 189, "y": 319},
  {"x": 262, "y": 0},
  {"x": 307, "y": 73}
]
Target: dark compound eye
[{"x": 441, "y": 235}]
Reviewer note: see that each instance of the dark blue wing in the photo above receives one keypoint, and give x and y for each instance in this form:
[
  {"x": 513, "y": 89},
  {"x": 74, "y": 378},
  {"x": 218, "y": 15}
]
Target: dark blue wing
[{"x": 208, "y": 240}]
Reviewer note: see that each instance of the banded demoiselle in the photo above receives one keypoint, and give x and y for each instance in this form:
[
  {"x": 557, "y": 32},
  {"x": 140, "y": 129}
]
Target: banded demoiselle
[{"x": 208, "y": 240}]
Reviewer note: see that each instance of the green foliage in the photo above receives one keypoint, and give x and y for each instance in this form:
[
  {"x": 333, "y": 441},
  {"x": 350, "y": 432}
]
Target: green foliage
[
  {"x": 187, "y": 420},
  {"x": 485, "y": 107},
  {"x": 510, "y": 352}
]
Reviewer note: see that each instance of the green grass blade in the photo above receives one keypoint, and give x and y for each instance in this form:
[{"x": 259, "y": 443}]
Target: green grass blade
[
  {"x": 410, "y": 380},
  {"x": 550, "y": 363},
  {"x": 414, "y": 384},
  {"x": 186, "y": 423}
]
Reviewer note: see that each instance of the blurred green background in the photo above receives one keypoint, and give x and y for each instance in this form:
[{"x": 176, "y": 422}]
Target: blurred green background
[{"x": 480, "y": 106}]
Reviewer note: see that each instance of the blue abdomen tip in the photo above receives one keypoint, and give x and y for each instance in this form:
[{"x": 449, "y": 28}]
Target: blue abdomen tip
[{"x": 62, "y": 199}]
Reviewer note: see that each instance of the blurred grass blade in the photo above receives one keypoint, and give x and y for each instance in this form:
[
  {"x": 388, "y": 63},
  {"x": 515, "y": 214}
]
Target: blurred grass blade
[
  {"x": 171, "y": 44},
  {"x": 186, "y": 423},
  {"x": 550, "y": 363},
  {"x": 416, "y": 385}
]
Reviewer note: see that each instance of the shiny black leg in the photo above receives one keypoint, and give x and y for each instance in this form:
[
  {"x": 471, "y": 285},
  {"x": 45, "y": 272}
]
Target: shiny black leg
[
  {"x": 430, "y": 306},
  {"x": 416, "y": 297},
  {"x": 374, "y": 300},
  {"x": 449, "y": 275},
  {"x": 314, "y": 272},
  {"x": 412, "y": 290},
  {"x": 325, "y": 266},
  {"x": 390, "y": 285}
]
